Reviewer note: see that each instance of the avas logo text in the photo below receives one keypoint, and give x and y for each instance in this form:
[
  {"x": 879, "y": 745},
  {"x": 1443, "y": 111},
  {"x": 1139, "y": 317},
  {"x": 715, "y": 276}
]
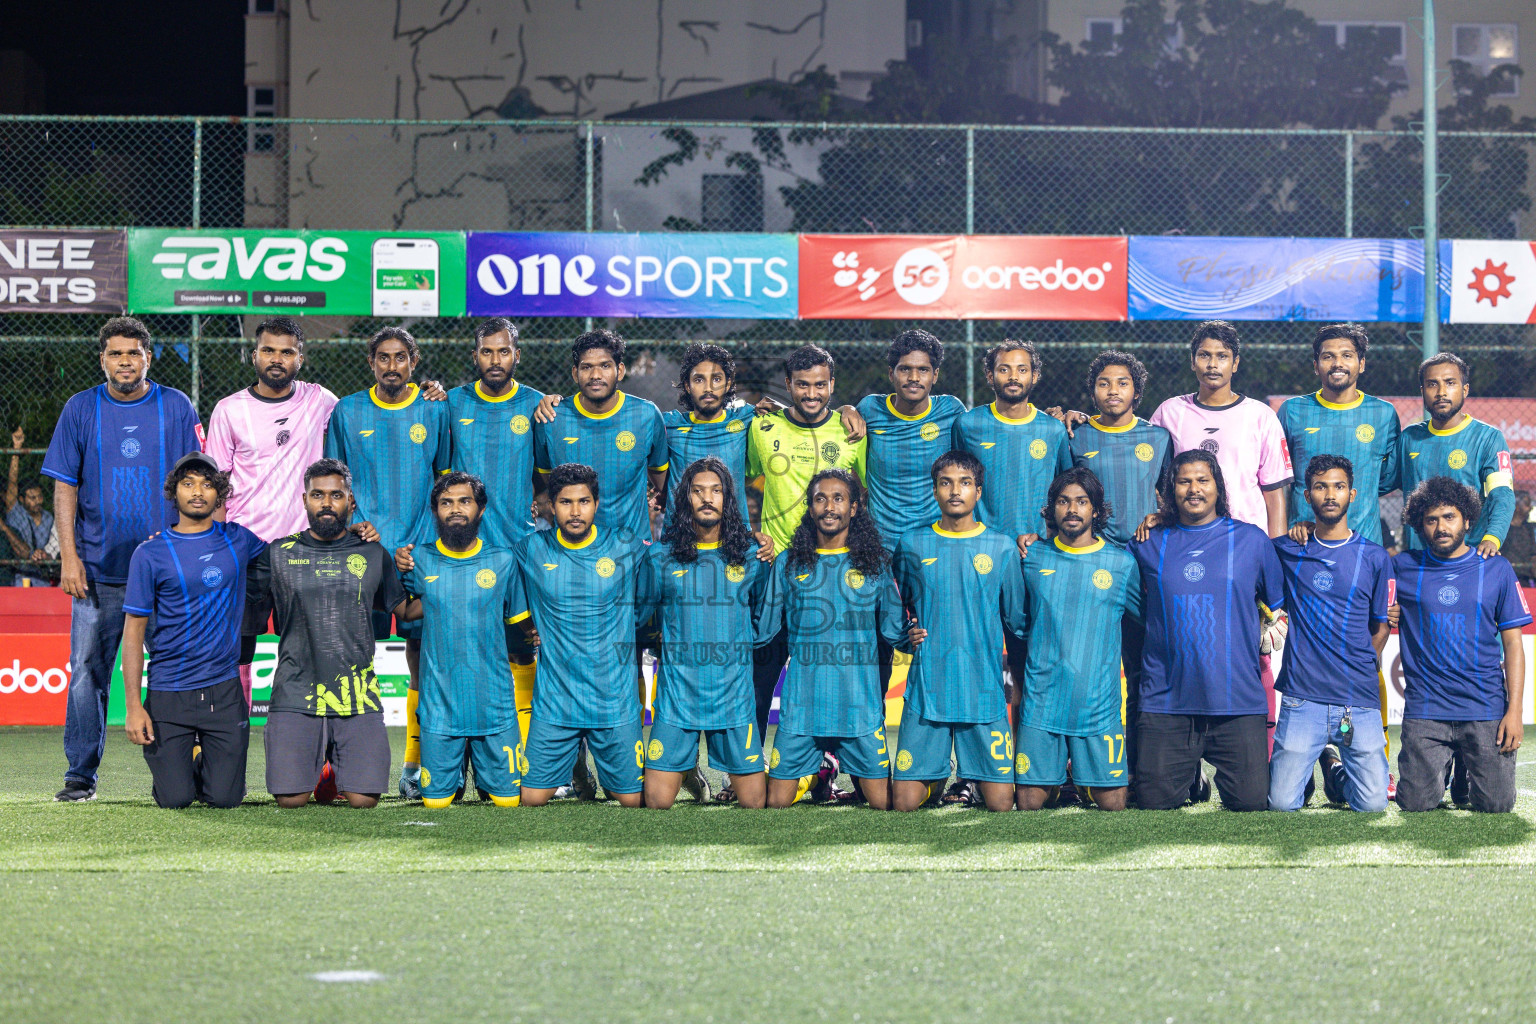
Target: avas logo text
[
  {"x": 277, "y": 259},
  {"x": 30, "y": 680}
]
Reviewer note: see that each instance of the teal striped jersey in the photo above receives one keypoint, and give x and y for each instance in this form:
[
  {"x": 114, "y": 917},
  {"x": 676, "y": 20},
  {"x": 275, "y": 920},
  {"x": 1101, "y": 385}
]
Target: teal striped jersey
[
  {"x": 1077, "y": 597},
  {"x": 690, "y": 439},
  {"x": 957, "y": 585},
  {"x": 466, "y": 683},
  {"x": 1021, "y": 457},
  {"x": 832, "y": 612},
  {"x": 622, "y": 445},
  {"x": 1364, "y": 432},
  {"x": 493, "y": 439},
  {"x": 586, "y": 600},
  {"x": 395, "y": 453},
  {"x": 1129, "y": 461},
  {"x": 711, "y": 614},
  {"x": 1471, "y": 453},
  {"x": 899, "y": 459}
]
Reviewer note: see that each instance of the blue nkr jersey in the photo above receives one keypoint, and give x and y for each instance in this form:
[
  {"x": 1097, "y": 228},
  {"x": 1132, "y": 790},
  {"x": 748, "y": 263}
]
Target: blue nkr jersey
[{"x": 1335, "y": 592}]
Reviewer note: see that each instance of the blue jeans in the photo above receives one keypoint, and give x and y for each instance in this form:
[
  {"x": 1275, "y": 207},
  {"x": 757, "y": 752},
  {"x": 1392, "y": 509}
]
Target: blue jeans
[
  {"x": 1305, "y": 727},
  {"x": 95, "y": 632}
]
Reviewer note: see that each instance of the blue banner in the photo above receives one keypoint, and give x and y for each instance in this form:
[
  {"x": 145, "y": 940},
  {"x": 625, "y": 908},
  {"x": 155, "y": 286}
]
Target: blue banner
[
  {"x": 745, "y": 276},
  {"x": 1363, "y": 279}
]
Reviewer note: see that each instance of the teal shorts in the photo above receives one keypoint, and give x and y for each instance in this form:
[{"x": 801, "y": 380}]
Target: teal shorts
[
  {"x": 795, "y": 756},
  {"x": 737, "y": 751},
  {"x": 1096, "y": 760},
  {"x": 498, "y": 760},
  {"x": 983, "y": 752},
  {"x": 619, "y": 753}
]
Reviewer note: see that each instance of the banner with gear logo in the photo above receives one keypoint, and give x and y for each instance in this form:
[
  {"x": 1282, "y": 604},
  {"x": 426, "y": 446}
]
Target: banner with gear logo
[{"x": 1493, "y": 282}]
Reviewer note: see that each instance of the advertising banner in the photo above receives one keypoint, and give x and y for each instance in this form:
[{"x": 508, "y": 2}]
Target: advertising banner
[
  {"x": 1363, "y": 279},
  {"x": 356, "y": 273},
  {"x": 63, "y": 271},
  {"x": 706, "y": 275},
  {"x": 945, "y": 277},
  {"x": 1493, "y": 282}
]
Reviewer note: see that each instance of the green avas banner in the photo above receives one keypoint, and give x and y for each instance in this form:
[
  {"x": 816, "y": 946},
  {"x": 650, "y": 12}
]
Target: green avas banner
[{"x": 353, "y": 273}]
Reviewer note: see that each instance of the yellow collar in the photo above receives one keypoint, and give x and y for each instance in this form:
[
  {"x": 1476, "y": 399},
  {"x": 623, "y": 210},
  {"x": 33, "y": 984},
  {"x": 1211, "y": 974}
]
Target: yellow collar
[
  {"x": 488, "y": 398},
  {"x": 560, "y": 536},
  {"x": 831, "y": 551},
  {"x": 693, "y": 417},
  {"x": 708, "y": 547},
  {"x": 1466, "y": 421},
  {"x": 1359, "y": 397},
  {"x": 1094, "y": 422},
  {"x": 980, "y": 527},
  {"x": 1023, "y": 419},
  {"x": 891, "y": 407},
  {"x": 373, "y": 393},
  {"x": 471, "y": 553},
  {"x": 1090, "y": 549},
  {"x": 598, "y": 415}
]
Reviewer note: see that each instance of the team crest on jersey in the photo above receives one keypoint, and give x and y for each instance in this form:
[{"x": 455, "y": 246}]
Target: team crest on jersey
[
  {"x": 1037, "y": 449},
  {"x": 929, "y": 431},
  {"x": 605, "y": 567},
  {"x": 1021, "y": 764},
  {"x": 1447, "y": 595},
  {"x": 282, "y": 437},
  {"x": 983, "y": 563},
  {"x": 1103, "y": 579},
  {"x": 854, "y": 578},
  {"x": 1365, "y": 433},
  {"x": 519, "y": 424},
  {"x": 735, "y": 427},
  {"x": 625, "y": 441},
  {"x": 426, "y": 776},
  {"x": 130, "y": 448},
  {"x": 1210, "y": 445},
  {"x": 1194, "y": 572},
  {"x": 357, "y": 565},
  {"x": 830, "y": 451},
  {"x": 655, "y": 750},
  {"x": 418, "y": 432},
  {"x": 773, "y": 758},
  {"x": 1323, "y": 580},
  {"x": 1144, "y": 452},
  {"x": 1456, "y": 459},
  {"x": 212, "y": 577},
  {"x": 904, "y": 760},
  {"x": 485, "y": 579},
  {"x": 736, "y": 573}
]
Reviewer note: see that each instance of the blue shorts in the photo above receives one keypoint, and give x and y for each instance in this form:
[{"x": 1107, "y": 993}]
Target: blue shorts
[
  {"x": 1096, "y": 760},
  {"x": 795, "y": 756},
  {"x": 984, "y": 752},
  {"x": 737, "y": 751},
  {"x": 619, "y": 753},
  {"x": 498, "y": 760}
]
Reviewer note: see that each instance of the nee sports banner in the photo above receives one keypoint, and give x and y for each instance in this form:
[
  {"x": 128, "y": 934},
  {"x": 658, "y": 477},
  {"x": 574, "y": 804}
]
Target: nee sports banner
[
  {"x": 359, "y": 273},
  {"x": 711, "y": 276},
  {"x": 63, "y": 271},
  {"x": 947, "y": 277}
]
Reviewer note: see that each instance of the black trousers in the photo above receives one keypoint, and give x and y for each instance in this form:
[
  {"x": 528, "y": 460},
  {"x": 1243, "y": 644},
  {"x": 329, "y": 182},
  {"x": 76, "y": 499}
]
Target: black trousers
[
  {"x": 215, "y": 717},
  {"x": 767, "y": 662},
  {"x": 1171, "y": 747}
]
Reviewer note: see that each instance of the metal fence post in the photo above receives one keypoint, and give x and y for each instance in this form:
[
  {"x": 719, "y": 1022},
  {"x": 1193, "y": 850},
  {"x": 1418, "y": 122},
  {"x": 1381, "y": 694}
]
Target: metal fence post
[
  {"x": 1431, "y": 191},
  {"x": 197, "y": 222},
  {"x": 970, "y": 229},
  {"x": 591, "y": 175},
  {"x": 1349, "y": 184}
]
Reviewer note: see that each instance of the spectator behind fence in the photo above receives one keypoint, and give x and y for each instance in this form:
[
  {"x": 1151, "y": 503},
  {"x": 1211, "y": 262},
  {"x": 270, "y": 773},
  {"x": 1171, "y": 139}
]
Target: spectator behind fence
[{"x": 28, "y": 526}]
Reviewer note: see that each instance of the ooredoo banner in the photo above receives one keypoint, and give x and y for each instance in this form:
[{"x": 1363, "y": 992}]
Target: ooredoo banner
[
  {"x": 705, "y": 275},
  {"x": 63, "y": 271},
  {"x": 980, "y": 277}
]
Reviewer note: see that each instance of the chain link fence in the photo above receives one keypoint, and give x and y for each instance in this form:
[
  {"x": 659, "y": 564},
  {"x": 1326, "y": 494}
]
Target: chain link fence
[{"x": 640, "y": 176}]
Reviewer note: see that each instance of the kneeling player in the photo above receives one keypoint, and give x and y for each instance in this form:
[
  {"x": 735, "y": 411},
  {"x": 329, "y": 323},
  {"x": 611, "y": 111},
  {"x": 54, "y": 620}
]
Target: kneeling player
[
  {"x": 956, "y": 576},
  {"x": 714, "y": 605},
  {"x": 324, "y": 584},
  {"x": 833, "y": 592},
  {"x": 1079, "y": 589},
  {"x": 463, "y": 590},
  {"x": 581, "y": 592}
]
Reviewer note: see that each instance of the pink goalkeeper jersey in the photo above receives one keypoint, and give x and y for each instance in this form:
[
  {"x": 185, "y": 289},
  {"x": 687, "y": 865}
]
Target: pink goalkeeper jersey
[
  {"x": 265, "y": 445},
  {"x": 1248, "y": 444}
]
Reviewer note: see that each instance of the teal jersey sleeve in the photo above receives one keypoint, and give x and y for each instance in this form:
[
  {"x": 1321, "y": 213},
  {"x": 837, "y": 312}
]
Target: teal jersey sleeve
[
  {"x": 1063, "y": 453},
  {"x": 335, "y": 444},
  {"x": 832, "y": 612},
  {"x": 1388, "y": 429},
  {"x": 542, "y": 458},
  {"x": 465, "y": 684},
  {"x": 657, "y": 430},
  {"x": 1496, "y": 474},
  {"x": 899, "y": 456},
  {"x": 442, "y": 457}
]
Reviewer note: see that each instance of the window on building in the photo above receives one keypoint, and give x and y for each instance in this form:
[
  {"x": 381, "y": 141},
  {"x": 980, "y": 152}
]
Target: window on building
[
  {"x": 262, "y": 7},
  {"x": 732, "y": 202},
  {"x": 260, "y": 101},
  {"x": 1392, "y": 33},
  {"x": 1101, "y": 33},
  {"x": 1485, "y": 47},
  {"x": 914, "y": 34}
]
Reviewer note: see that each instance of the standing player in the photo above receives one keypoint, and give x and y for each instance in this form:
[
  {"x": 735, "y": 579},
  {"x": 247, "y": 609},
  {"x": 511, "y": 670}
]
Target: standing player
[
  {"x": 833, "y": 594},
  {"x": 1338, "y": 586},
  {"x": 708, "y": 424},
  {"x": 191, "y": 578},
  {"x": 1204, "y": 574},
  {"x": 957, "y": 577},
  {"x": 582, "y": 591},
  {"x": 1128, "y": 455},
  {"x": 463, "y": 589},
  {"x": 326, "y": 587},
  {"x": 394, "y": 444},
  {"x": 1461, "y": 610},
  {"x": 108, "y": 457},
  {"x": 715, "y": 603}
]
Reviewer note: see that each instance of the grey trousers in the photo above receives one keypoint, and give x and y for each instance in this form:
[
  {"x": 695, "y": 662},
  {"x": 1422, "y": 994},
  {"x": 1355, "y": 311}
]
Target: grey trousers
[{"x": 1424, "y": 755}]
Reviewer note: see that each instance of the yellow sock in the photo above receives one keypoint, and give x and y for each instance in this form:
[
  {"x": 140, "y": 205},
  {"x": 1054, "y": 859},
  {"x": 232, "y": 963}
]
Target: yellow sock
[
  {"x": 803, "y": 790},
  {"x": 436, "y": 802},
  {"x": 522, "y": 692},
  {"x": 933, "y": 788},
  {"x": 1381, "y": 687},
  {"x": 413, "y": 730},
  {"x": 505, "y": 801}
]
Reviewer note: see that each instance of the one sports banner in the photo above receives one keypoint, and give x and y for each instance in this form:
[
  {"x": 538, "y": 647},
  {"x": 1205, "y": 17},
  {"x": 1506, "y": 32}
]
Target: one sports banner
[
  {"x": 357, "y": 273},
  {"x": 1493, "y": 282},
  {"x": 1363, "y": 279},
  {"x": 63, "y": 271},
  {"x": 945, "y": 277},
  {"x": 608, "y": 274}
]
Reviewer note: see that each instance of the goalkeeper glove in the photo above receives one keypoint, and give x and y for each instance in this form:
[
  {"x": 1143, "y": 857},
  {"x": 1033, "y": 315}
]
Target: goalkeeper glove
[{"x": 1272, "y": 631}]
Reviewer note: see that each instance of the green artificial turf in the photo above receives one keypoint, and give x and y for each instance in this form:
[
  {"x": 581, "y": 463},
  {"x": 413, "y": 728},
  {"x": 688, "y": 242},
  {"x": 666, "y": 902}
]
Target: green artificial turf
[{"x": 118, "y": 911}]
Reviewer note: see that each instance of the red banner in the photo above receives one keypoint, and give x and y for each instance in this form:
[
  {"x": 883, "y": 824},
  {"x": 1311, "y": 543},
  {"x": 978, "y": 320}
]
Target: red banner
[
  {"x": 948, "y": 277},
  {"x": 34, "y": 678}
]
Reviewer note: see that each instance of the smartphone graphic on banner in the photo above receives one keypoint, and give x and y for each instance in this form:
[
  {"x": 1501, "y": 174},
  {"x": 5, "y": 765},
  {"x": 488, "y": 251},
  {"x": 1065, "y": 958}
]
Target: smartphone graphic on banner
[{"x": 405, "y": 277}]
